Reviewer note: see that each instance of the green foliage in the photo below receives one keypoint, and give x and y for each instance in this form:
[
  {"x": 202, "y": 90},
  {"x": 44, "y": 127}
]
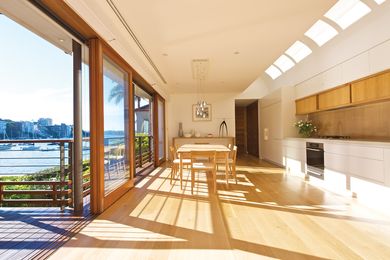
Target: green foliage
[
  {"x": 52, "y": 174},
  {"x": 305, "y": 128},
  {"x": 141, "y": 140}
]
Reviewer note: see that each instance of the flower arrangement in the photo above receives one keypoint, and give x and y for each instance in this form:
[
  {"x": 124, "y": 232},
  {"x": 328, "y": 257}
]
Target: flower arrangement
[{"x": 305, "y": 128}]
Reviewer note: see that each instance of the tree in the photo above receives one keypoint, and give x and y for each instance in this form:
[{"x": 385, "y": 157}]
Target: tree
[{"x": 117, "y": 94}]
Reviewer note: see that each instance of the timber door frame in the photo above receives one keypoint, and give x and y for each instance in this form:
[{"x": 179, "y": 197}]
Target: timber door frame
[
  {"x": 157, "y": 161},
  {"x": 100, "y": 201}
]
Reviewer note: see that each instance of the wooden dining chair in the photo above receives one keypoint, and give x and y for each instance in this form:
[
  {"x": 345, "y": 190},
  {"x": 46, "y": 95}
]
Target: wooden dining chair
[
  {"x": 176, "y": 162},
  {"x": 231, "y": 161},
  {"x": 198, "y": 165}
]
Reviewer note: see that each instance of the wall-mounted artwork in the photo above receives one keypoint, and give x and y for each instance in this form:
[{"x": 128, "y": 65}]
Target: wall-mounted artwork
[{"x": 205, "y": 116}]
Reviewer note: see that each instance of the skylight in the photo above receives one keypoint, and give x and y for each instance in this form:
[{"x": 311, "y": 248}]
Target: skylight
[
  {"x": 379, "y": 2},
  {"x": 321, "y": 32},
  {"x": 298, "y": 51},
  {"x": 273, "y": 72},
  {"x": 284, "y": 63},
  {"x": 346, "y": 12}
]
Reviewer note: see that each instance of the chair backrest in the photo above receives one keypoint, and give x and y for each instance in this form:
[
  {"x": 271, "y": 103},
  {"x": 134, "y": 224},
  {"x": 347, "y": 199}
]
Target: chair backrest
[
  {"x": 172, "y": 152},
  {"x": 234, "y": 155},
  {"x": 202, "y": 154}
]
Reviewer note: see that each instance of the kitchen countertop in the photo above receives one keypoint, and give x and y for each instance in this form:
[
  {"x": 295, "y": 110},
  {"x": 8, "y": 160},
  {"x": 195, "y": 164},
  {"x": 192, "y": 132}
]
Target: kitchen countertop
[{"x": 380, "y": 142}]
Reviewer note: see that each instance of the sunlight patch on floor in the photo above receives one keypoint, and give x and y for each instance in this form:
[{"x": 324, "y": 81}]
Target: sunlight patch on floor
[
  {"x": 253, "y": 169},
  {"x": 108, "y": 230}
]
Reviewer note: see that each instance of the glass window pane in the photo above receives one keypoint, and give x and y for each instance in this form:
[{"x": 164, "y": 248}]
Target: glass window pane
[
  {"x": 161, "y": 127},
  {"x": 116, "y": 134},
  {"x": 143, "y": 102}
]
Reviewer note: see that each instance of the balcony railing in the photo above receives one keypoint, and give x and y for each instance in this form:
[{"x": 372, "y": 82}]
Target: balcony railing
[
  {"x": 143, "y": 151},
  {"x": 46, "y": 167}
]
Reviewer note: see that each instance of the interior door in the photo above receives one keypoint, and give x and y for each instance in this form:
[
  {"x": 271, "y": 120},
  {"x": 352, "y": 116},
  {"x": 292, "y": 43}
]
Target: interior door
[{"x": 252, "y": 129}]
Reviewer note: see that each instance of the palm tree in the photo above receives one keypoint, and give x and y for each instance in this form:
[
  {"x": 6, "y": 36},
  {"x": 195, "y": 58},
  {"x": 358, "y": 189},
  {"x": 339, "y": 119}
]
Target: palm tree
[{"x": 117, "y": 93}]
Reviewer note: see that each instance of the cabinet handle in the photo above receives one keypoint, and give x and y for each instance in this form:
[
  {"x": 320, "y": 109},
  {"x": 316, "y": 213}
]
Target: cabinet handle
[{"x": 316, "y": 150}]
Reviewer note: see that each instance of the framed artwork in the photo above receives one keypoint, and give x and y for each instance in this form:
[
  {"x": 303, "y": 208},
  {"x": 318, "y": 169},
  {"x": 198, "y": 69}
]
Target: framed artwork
[{"x": 206, "y": 116}]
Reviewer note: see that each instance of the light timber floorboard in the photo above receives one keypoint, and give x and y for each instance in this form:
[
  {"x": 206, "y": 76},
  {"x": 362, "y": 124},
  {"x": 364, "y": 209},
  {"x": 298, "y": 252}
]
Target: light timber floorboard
[{"x": 268, "y": 214}]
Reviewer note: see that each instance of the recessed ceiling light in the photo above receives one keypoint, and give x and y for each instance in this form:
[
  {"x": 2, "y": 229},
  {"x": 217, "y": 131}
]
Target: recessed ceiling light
[
  {"x": 298, "y": 51},
  {"x": 379, "y": 2},
  {"x": 273, "y": 72},
  {"x": 321, "y": 32},
  {"x": 284, "y": 63},
  {"x": 61, "y": 40},
  {"x": 236, "y": 52},
  {"x": 346, "y": 12}
]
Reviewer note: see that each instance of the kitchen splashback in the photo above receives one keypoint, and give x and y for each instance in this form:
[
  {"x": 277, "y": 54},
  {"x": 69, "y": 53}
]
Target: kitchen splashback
[{"x": 368, "y": 121}]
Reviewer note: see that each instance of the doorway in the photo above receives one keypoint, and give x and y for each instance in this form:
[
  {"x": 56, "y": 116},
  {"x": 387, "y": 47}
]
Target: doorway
[{"x": 247, "y": 126}]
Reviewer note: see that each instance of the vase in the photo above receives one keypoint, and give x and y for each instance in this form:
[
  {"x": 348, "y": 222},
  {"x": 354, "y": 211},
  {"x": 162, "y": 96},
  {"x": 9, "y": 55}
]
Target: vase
[
  {"x": 305, "y": 134},
  {"x": 181, "y": 130}
]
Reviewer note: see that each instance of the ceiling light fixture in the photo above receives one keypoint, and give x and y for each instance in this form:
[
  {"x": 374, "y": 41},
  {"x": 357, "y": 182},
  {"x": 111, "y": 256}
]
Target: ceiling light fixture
[
  {"x": 347, "y": 12},
  {"x": 284, "y": 63},
  {"x": 298, "y": 51},
  {"x": 273, "y": 72},
  {"x": 321, "y": 32},
  {"x": 199, "y": 73}
]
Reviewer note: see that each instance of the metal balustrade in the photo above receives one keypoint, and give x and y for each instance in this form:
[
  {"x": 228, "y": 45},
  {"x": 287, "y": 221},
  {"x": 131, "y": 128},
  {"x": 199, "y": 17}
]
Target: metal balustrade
[
  {"x": 48, "y": 165},
  {"x": 144, "y": 155}
]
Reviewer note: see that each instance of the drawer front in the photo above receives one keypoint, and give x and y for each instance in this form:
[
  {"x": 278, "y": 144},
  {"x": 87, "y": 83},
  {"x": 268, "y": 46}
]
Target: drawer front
[
  {"x": 374, "y": 153},
  {"x": 295, "y": 153},
  {"x": 336, "y": 162},
  {"x": 366, "y": 168},
  {"x": 295, "y": 143}
]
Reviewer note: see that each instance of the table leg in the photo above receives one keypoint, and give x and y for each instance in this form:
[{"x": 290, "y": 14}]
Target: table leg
[
  {"x": 181, "y": 171},
  {"x": 227, "y": 169}
]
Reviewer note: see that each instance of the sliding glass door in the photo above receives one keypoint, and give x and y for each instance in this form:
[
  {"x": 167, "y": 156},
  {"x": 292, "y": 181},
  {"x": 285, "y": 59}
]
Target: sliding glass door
[
  {"x": 160, "y": 129},
  {"x": 143, "y": 126},
  {"x": 116, "y": 122}
]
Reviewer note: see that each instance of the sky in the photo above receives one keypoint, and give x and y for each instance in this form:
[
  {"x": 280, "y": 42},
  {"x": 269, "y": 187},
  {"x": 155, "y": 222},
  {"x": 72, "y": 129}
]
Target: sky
[
  {"x": 35, "y": 76},
  {"x": 36, "y": 81}
]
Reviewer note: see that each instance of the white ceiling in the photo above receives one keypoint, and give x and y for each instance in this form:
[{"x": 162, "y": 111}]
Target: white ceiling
[{"x": 174, "y": 32}]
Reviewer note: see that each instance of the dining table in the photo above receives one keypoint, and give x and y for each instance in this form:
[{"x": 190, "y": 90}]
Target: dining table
[{"x": 185, "y": 150}]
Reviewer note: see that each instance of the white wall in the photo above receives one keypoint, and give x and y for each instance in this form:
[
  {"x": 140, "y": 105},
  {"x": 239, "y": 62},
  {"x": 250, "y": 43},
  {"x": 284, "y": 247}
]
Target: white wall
[
  {"x": 271, "y": 119},
  {"x": 179, "y": 109},
  {"x": 360, "y": 50}
]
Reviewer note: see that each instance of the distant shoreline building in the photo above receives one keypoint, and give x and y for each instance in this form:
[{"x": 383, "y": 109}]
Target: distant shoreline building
[
  {"x": 42, "y": 129},
  {"x": 45, "y": 122}
]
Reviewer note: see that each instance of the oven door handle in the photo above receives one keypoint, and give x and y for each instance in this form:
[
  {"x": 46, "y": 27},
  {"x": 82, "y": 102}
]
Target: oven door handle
[{"x": 315, "y": 150}]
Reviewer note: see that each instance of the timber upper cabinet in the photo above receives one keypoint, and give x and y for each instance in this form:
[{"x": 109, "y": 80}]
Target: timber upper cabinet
[
  {"x": 306, "y": 105},
  {"x": 371, "y": 89},
  {"x": 334, "y": 98}
]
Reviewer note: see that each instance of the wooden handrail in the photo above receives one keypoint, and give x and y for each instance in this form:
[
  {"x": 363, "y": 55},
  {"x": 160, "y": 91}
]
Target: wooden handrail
[
  {"x": 56, "y": 192},
  {"x": 36, "y": 141}
]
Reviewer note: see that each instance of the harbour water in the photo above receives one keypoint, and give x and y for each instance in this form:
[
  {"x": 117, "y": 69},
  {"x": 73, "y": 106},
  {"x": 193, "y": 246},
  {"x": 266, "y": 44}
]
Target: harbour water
[{"x": 23, "y": 162}]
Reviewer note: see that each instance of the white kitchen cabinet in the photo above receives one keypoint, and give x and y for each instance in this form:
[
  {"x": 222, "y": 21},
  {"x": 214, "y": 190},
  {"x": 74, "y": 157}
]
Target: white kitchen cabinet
[
  {"x": 294, "y": 155},
  {"x": 375, "y": 153},
  {"x": 366, "y": 168},
  {"x": 356, "y": 160},
  {"x": 369, "y": 161},
  {"x": 336, "y": 162},
  {"x": 387, "y": 166}
]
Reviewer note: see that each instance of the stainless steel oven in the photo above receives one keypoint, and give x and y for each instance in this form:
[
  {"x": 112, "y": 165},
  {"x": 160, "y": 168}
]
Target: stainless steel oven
[{"x": 315, "y": 159}]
